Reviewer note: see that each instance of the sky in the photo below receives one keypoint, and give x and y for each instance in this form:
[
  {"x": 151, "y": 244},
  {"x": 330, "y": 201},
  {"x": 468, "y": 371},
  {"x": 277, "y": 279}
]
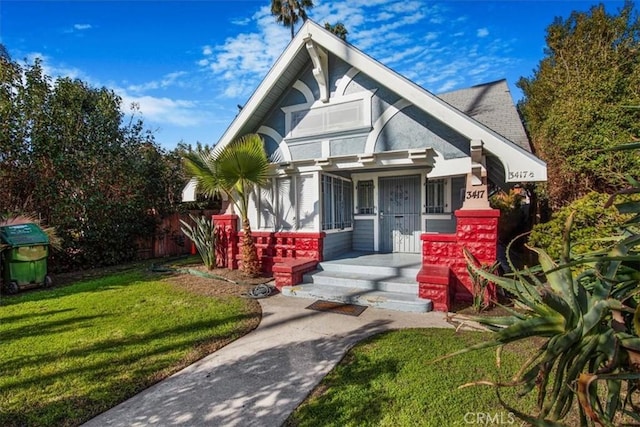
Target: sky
[{"x": 188, "y": 65}]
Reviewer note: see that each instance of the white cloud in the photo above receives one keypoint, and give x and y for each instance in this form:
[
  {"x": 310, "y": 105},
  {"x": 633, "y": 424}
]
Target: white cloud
[
  {"x": 241, "y": 21},
  {"x": 171, "y": 79},
  {"x": 426, "y": 42},
  {"x": 175, "y": 112},
  {"x": 81, "y": 27}
]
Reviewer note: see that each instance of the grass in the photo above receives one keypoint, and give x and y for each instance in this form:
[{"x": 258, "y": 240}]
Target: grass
[
  {"x": 388, "y": 381},
  {"x": 69, "y": 353}
]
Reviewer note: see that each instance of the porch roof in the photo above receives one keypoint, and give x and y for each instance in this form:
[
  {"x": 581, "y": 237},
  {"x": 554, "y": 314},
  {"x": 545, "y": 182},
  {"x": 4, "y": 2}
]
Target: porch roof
[{"x": 423, "y": 157}]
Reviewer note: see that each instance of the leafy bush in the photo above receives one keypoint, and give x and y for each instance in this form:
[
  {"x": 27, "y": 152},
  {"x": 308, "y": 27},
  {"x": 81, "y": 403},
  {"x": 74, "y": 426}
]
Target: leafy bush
[{"x": 591, "y": 224}]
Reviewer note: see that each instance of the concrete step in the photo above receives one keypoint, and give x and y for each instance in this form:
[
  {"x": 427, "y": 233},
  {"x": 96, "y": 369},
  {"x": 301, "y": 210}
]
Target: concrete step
[
  {"x": 408, "y": 270},
  {"x": 361, "y": 296},
  {"x": 369, "y": 282}
]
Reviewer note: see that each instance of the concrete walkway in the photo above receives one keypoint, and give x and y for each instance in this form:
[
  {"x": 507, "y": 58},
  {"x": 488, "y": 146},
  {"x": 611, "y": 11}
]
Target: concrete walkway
[{"x": 259, "y": 379}]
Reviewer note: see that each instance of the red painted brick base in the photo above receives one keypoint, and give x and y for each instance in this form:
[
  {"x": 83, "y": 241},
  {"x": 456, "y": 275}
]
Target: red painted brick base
[
  {"x": 285, "y": 254},
  {"x": 477, "y": 230}
]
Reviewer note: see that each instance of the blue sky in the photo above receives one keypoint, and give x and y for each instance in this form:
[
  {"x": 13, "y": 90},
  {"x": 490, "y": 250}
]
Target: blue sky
[{"x": 189, "y": 64}]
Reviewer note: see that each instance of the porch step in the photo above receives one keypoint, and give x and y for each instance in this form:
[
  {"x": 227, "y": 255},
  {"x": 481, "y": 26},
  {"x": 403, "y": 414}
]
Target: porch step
[
  {"x": 361, "y": 296},
  {"x": 379, "y": 280},
  {"x": 376, "y": 281}
]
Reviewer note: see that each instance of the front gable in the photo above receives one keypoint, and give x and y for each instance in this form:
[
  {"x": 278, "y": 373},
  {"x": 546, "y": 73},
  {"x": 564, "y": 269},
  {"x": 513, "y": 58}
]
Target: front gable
[{"x": 324, "y": 102}]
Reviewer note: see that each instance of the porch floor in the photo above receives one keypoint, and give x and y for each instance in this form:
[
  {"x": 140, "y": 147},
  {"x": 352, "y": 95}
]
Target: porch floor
[{"x": 383, "y": 280}]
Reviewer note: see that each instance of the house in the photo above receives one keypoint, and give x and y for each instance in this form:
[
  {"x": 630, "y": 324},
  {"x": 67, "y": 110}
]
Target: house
[{"x": 367, "y": 162}]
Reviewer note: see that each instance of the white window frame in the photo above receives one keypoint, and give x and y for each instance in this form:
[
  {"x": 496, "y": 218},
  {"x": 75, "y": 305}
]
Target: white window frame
[{"x": 347, "y": 209}]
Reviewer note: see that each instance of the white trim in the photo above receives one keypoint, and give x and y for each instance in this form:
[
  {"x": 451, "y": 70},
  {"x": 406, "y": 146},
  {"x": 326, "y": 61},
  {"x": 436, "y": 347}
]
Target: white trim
[
  {"x": 384, "y": 118},
  {"x": 320, "y": 70},
  {"x": 345, "y": 80},
  {"x": 515, "y": 159},
  {"x": 273, "y": 134},
  {"x": 302, "y": 87},
  {"x": 447, "y": 167}
]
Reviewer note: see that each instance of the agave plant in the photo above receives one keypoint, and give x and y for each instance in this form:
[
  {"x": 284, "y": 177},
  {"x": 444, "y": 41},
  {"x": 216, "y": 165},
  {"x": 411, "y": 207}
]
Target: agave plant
[
  {"x": 202, "y": 234},
  {"x": 587, "y": 307}
]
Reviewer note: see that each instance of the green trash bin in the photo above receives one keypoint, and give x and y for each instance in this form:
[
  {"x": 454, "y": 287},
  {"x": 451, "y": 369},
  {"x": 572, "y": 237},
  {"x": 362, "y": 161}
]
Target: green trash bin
[{"x": 24, "y": 260}]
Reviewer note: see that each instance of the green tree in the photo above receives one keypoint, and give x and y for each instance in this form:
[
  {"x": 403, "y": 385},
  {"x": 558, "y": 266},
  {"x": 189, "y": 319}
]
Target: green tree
[
  {"x": 70, "y": 157},
  {"x": 289, "y": 12},
  {"x": 574, "y": 104},
  {"x": 236, "y": 170},
  {"x": 338, "y": 29}
]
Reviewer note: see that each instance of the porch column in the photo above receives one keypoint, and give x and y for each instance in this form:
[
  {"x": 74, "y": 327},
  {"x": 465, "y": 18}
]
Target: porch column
[
  {"x": 476, "y": 195},
  {"x": 226, "y": 230},
  {"x": 477, "y": 230}
]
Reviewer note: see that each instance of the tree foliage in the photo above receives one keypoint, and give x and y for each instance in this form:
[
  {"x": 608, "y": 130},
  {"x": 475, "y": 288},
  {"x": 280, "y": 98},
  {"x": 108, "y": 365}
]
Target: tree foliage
[
  {"x": 338, "y": 29},
  {"x": 574, "y": 104},
  {"x": 236, "y": 169},
  {"x": 289, "y": 12},
  {"x": 70, "y": 156}
]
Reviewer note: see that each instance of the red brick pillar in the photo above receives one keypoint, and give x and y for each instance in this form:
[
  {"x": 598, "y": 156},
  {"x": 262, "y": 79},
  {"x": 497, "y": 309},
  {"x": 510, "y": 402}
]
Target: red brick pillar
[
  {"x": 476, "y": 230},
  {"x": 226, "y": 227}
]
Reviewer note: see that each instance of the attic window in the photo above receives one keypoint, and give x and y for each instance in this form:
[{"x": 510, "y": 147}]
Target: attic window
[{"x": 346, "y": 114}]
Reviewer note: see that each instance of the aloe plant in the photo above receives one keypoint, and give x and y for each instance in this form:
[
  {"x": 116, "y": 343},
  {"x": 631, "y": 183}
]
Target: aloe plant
[
  {"x": 202, "y": 234},
  {"x": 587, "y": 309}
]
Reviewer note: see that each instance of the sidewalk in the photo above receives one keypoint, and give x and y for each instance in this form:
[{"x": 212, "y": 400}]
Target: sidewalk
[{"x": 259, "y": 379}]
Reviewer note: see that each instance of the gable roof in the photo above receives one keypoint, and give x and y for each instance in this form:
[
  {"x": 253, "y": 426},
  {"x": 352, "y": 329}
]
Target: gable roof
[
  {"x": 518, "y": 162},
  {"x": 492, "y": 105}
]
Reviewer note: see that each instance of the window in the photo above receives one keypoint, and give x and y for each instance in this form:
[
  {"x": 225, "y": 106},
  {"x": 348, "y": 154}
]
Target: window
[
  {"x": 435, "y": 196},
  {"x": 345, "y": 114},
  {"x": 337, "y": 203},
  {"x": 365, "y": 197}
]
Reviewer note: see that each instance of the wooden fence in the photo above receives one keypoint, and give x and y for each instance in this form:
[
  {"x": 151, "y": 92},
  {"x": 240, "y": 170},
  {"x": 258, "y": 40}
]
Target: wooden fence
[{"x": 169, "y": 240}]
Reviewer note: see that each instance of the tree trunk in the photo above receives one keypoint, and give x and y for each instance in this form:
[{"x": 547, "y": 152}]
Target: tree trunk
[{"x": 250, "y": 262}]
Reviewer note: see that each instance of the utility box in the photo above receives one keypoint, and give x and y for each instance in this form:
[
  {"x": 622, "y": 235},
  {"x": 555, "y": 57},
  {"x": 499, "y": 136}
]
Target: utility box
[{"x": 24, "y": 259}]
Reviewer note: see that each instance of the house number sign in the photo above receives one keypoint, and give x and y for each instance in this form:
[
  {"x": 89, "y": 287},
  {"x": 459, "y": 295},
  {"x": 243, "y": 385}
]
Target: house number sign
[
  {"x": 523, "y": 174},
  {"x": 475, "y": 194}
]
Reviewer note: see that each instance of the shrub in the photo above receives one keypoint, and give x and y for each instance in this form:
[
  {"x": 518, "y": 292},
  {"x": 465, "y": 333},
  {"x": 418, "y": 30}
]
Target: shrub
[{"x": 591, "y": 224}]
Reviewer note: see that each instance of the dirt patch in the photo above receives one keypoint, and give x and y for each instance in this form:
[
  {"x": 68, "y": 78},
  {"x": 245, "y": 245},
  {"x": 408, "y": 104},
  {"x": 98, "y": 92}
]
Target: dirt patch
[{"x": 219, "y": 282}]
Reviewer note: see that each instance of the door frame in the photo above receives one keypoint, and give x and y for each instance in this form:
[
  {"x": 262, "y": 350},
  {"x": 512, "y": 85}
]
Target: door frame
[{"x": 375, "y": 177}]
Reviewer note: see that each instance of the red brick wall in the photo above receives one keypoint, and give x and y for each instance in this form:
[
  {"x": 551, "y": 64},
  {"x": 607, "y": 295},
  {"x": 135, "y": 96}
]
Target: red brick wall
[
  {"x": 272, "y": 246},
  {"x": 477, "y": 230}
]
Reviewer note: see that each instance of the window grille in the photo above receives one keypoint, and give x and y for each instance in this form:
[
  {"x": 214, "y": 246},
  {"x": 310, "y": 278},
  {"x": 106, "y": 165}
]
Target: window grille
[
  {"x": 435, "y": 196},
  {"x": 337, "y": 203},
  {"x": 365, "y": 197}
]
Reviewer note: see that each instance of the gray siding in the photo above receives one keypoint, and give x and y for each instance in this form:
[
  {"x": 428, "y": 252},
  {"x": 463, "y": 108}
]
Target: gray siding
[
  {"x": 337, "y": 69},
  {"x": 310, "y": 150},
  {"x": 345, "y": 146},
  {"x": 363, "y": 235},
  {"x": 336, "y": 244},
  {"x": 413, "y": 128}
]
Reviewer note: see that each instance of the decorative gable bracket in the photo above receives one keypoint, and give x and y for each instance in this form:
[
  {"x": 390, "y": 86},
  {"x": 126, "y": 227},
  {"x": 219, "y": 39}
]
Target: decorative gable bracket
[{"x": 320, "y": 62}]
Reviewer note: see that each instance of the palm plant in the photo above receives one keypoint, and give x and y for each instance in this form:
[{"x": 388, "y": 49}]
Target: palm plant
[
  {"x": 236, "y": 170},
  {"x": 289, "y": 12},
  {"x": 587, "y": 307}
]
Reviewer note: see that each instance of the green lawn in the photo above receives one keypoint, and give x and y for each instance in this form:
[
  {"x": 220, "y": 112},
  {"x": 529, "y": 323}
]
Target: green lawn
[
  {"x": 388, "y": 381},
  {"x": 69, "y": 353}
]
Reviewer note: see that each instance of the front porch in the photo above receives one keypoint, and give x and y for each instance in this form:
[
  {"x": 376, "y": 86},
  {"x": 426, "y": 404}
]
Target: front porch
[
  {"x": 430, "y": 280},
  {"x": 383, "y": 280}
]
